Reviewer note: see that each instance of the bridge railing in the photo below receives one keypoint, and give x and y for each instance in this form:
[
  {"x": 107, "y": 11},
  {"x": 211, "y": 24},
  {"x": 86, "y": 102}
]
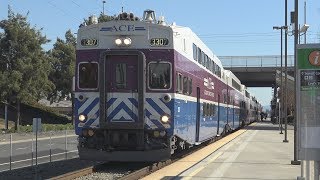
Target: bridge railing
[{"x": 256, "y": 61}]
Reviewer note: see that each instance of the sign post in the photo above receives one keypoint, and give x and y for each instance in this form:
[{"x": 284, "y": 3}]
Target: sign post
[
  {"x": 308, "y": 102},
  {"x": 36, "y": 127}
]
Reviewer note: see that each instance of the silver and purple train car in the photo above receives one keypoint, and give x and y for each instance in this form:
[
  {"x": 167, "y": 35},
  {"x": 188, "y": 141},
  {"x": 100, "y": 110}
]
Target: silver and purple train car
[{"x": 144, "y": 89}]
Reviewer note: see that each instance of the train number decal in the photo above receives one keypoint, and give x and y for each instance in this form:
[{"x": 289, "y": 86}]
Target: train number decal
[
  {"x": 89, "y": 42},
  {"x": 159, "y": 42}
]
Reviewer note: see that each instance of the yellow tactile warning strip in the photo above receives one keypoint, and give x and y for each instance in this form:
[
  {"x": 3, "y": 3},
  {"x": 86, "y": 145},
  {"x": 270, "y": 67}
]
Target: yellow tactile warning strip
[
  {"x": 187, "y": 162},
  {"x": 202, "y": 167}
]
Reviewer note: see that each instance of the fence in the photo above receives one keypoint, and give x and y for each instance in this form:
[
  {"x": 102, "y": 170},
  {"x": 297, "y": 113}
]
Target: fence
[{"x": 22, "y": 150}]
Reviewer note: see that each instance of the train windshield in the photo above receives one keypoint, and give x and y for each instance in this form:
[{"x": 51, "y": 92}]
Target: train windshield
[
  {"x": 88, "y": 75},
  {"x": 159, "y": 75}
]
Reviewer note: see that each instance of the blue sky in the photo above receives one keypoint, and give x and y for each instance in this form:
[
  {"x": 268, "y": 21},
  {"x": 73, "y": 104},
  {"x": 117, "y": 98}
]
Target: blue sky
[{"x": 228, "y": 27}]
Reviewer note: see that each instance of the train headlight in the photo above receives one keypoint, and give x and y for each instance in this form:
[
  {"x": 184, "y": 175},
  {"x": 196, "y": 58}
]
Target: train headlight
[
  {"x": 82, "y": 117},
  {"x": 118, "y": 42},
  {"x": 127, "y": 41},
  {"x": 164, "y": 119}
]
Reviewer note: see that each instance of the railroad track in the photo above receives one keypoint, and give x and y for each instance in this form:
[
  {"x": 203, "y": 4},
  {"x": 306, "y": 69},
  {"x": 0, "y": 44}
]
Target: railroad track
[
  {"x": 156, "y": 166},
  {"x": 130, "y": 171},
  {"x": 109, "y": 170},
  {"x": 76, "y": 174}
]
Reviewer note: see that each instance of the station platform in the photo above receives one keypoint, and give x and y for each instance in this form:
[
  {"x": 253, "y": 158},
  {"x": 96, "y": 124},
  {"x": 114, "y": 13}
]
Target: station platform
[{"x": 255, "y": 152}]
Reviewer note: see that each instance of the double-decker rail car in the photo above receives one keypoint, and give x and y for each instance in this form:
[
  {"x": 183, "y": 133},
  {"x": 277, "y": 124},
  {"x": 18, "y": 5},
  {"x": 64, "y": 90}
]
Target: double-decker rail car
[{"x": 144, "y": 89}]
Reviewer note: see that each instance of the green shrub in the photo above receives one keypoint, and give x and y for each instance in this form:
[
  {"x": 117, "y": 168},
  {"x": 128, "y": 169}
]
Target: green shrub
[{"x": 45, "y": 128}]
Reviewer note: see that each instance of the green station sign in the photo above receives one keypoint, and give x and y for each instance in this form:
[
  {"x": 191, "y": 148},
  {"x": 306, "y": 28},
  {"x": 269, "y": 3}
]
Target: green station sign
[
  {"x": 309, "y": 58},
  {"x": 308, "y": 101}
]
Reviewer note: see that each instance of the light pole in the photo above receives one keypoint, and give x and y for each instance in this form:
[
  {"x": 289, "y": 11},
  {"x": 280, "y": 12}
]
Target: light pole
[
  {"x": 281, "y": 72},
  {"x": 305, "y": 21},
  {"x": 286, "y": 75},
  {"x": 303, "y": 30},
  {"x": 297, "y": 32}
]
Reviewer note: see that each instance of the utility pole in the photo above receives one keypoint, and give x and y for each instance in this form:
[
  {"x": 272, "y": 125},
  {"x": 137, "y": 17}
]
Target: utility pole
[
  {"x": 305, "y": 21},
  {"x": 286, "y": 75},
  {"x": 296, "y": 35},
  {"x": 281, "y": 89},
  {"x": 103, "y": 2}
]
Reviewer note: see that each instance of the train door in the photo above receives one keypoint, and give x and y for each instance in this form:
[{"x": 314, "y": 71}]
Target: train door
[
  {"x": 198, "y": 115},
  {"x": 233, "y": 114},
  {"x": 123, "y": 90},
  {"x": 218, "y": 115}
]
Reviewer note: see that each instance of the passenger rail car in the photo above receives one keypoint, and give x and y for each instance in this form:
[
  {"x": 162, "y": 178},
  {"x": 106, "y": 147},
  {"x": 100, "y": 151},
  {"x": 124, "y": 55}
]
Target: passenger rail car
[{"x": 144, "y": 89}]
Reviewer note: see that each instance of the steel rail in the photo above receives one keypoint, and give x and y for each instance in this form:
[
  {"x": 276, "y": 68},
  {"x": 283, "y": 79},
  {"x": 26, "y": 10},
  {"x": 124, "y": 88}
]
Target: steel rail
[
  {"x": 76, "y": 174},
  {"x": 142, "y": 172}
]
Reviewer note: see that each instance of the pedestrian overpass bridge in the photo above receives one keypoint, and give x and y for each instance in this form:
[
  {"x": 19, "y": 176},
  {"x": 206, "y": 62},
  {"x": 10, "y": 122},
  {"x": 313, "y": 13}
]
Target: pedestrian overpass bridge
[{"x": 257, "y": 71}]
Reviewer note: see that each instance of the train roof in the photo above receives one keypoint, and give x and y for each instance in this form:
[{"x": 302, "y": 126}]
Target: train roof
[
  {"x": 187, "y": 32},
  {"x": 149, "y": 20}
]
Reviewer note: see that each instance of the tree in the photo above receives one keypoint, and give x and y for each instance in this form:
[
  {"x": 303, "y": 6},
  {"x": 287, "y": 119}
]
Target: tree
[
  {"x": 62, "y": 61},
  {"x": 24, "y": 67},
  {"x": 105, "y": 18},
  {"x": 70, "y": 39},
  {"x": 102, "y": 18}
]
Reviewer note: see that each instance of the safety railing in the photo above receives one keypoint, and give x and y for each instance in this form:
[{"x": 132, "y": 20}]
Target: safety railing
[
  {"x": 256, "y": 61},
  {"x": 21, "y": 150}
]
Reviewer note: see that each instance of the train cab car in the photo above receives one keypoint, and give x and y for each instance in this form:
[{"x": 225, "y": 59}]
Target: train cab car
[
  {"x": 124, "y": 86},
  {"x": 145, "y": 89}
]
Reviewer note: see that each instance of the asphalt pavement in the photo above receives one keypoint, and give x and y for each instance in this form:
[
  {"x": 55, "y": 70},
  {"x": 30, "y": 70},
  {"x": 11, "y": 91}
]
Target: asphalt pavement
[{"x": 25, "y": 151}]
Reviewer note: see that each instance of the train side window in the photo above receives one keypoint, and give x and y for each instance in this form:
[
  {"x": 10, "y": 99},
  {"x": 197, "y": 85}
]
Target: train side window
[
  {"x": 185, "y": 85},
  {"x": 121, "y": 76},
  {"x": 199, "y": 52},
  {"x": 195, "y": 48},
  {"x": 213, "y": 67},
  {"x": 179, "y": 83},
  {"x": 190, "y": 86},
  {"x": 213, "y": 110},
  {"x": 204, "y": 60},
  {"x": 208, "y": 62},
  {"x": 219, "y": 71},
  {"x": 204, "y": 106},
  {"x": 210, "y": 110},
  {"x": 216, "y": 70},
  {"x": 210, "y": 65},
  {"x": 159, "y": 75},
  {"x": 88, "y": 75}
]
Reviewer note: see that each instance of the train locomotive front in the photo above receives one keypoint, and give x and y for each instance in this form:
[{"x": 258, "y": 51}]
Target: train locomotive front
[{"x": 123, "y": 90}]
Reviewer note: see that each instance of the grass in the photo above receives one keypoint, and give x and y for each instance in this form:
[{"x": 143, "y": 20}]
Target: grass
[
  {"x": 2, "y": 123},
  {"x": 45, "y": 128}
]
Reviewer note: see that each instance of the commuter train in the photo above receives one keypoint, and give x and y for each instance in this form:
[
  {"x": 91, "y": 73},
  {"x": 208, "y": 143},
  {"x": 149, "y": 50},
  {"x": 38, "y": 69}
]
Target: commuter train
[{"x": 145, "y": 90}]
